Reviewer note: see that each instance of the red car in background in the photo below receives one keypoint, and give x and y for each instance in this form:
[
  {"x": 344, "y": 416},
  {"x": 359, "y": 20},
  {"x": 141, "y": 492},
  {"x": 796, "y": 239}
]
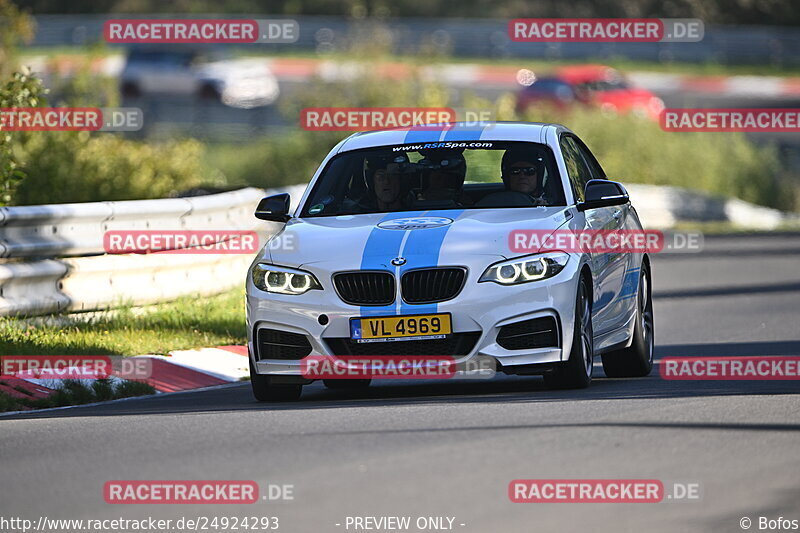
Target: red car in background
[{"x": 592, "y": 85}]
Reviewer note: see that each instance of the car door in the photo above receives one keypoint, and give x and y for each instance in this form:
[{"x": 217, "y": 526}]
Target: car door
[
  {"x": 607, "y": 281},
  {"x": 166, "y": 72},
  {"x": 620, "y": 264}
]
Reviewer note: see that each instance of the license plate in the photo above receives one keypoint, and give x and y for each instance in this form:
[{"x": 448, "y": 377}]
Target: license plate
[{"x": 407, "y": 327}]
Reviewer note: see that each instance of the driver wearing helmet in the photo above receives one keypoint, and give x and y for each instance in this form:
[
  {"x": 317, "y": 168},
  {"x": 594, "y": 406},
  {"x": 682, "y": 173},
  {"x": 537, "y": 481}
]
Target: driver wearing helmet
[
  {"x": 443, "y": 173},
  {"x": 384, "y": 180},
  {"x": 523, "y": 172}
]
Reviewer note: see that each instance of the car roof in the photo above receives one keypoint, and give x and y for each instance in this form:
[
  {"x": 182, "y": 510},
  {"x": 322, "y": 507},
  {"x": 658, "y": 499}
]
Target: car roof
[{"x": 457, "y": 131}]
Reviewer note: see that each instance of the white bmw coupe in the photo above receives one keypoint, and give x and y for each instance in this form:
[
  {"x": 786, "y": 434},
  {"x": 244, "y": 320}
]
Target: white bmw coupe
[{"x": 407, "y": 242}]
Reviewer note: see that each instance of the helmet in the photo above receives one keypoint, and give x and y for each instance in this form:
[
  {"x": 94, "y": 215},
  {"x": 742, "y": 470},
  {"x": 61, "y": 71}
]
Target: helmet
[
  {"x": 450, "y": 162},
  {"x": 523, "y": 153},
  {"x": 378, "y": 162}
]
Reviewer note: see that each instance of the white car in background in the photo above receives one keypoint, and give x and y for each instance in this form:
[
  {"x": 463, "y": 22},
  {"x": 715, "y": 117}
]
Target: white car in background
[
  {"x": 199, "y": 73},
  {"x": 439, "y": 260}
]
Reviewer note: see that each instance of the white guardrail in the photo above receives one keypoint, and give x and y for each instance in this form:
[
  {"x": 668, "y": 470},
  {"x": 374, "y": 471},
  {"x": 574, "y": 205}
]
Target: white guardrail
[
  {"x": 52, "y": 257},
  {"x": 662, "y": 207}
]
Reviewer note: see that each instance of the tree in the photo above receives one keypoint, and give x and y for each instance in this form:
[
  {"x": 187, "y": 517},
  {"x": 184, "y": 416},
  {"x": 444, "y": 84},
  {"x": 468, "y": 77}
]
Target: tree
[
  {"x": 15, "y": 26},
  {"x": 21, "y": 90}
]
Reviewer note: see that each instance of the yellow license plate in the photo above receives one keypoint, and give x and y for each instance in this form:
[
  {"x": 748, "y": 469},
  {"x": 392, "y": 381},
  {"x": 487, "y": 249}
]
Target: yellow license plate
[{"x": 374, "y": 329}]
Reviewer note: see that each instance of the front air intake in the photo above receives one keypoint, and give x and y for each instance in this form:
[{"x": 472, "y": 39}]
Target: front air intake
[
  {"x": 276, "y": 344},
  {"x": 529, "y": 334}
]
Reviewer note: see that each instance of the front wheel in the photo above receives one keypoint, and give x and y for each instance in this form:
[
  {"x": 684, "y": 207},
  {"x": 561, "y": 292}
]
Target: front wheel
[
  {"x": 576, "y": 373},
  {"x": 265, "y": 391},
  {"x": 636, "y": 360}
]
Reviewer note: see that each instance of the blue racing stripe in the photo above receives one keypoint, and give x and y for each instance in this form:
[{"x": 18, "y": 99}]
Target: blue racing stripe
[
  {"x": 381, "y": 247},
  {"x": 464, "y": 133},
  {"x": 422, "y": 249},
  {"x": 425, "y": 134}
]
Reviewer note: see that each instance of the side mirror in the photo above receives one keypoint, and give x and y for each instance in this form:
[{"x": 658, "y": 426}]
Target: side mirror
[
  {"x": 603, "y": 193},
  {"x": 274, "y": 208}
]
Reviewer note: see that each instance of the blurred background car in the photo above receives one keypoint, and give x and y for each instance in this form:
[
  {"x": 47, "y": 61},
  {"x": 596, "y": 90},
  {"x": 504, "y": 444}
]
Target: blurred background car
[
  {"x": 199, "y": 73},
  {"x": 592, "y": 85}
]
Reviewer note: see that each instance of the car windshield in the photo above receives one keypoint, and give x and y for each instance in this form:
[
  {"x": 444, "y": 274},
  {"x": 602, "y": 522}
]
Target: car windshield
[
  {"x": 613, "y": 84},
  {"x": 454, "y": 175}
]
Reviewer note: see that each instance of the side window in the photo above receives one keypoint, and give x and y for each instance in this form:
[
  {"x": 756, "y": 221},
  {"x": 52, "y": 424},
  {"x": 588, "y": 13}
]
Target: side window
[
  {"x": 579, "y": 173},
  {"x": 591, "y": 161}
]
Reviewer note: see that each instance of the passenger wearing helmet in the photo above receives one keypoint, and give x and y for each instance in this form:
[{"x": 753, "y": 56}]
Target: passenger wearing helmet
[
  {"x": 385, "y": 182},
  {"x": 443, "y": 173}
]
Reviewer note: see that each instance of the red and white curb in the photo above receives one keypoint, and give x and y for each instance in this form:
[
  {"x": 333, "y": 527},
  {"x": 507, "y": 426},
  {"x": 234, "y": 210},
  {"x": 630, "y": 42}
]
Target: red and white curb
[
  {"x": 506, "y": 76},
  {"x": 180, "y": 370},
  {"x": 741, "y": 86},
  {"x": 466, "y": 75},
  {"x": 194, "y": 369},
  {"x": 22, "y": 389}
]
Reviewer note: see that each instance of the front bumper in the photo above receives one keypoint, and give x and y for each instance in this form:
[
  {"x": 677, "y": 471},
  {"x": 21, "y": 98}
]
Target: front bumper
[{"x": 480, "y": 308}]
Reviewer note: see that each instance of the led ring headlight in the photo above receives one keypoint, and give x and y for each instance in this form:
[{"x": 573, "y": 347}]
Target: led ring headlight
[
  {"x": 526, "y": 269},
  {"x": 282, "y": 280}
]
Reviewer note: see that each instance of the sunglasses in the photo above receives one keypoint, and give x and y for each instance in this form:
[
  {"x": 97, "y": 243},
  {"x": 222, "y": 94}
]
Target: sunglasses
[{"x": 528, "y": 171}]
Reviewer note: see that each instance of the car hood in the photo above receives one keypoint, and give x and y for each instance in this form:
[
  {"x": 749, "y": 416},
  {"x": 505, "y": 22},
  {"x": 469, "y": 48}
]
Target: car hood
[{"x": 432, "y": 238}]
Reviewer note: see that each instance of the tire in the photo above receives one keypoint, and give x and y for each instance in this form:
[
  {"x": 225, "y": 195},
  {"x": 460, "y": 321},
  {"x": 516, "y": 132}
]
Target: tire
[
  {"x": 209, "y": 92},
  {"x": 265, "y": 391},
  {"x": 347, "y": 383},
  {"x": 636, "y": 360},
  {"x": 576, "y": 373}
]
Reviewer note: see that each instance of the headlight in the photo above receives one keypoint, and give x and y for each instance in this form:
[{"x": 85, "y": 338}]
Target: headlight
[
  {"x": 283, "y": 280},
  {"x": 525, "y": 269}
]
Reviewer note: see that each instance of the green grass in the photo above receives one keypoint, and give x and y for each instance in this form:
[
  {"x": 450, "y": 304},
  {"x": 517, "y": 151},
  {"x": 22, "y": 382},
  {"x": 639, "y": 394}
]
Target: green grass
[
  {"x": 76, "y": 393},
  {"x": 183, "y": 324}
]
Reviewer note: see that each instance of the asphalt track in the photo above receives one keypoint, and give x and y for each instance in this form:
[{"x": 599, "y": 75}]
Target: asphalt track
[{"x": 451, "y": 448}]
